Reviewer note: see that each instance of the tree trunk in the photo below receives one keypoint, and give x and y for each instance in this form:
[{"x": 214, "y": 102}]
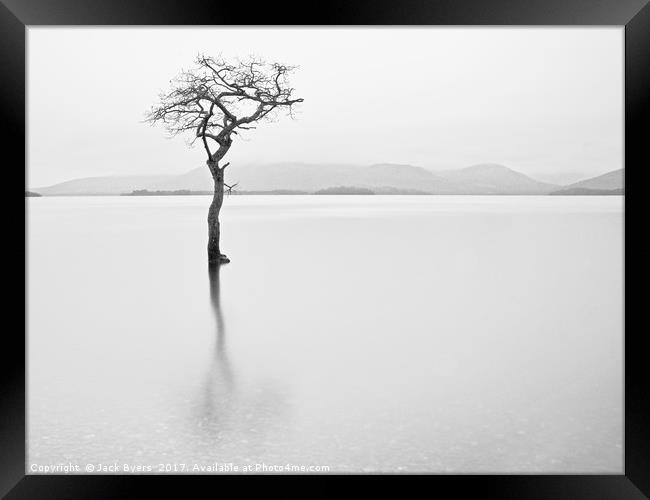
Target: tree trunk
[{"x": 214, "y": 253}]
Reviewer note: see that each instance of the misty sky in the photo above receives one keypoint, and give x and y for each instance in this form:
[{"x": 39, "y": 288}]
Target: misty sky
[{"x": 545, "y": 101}]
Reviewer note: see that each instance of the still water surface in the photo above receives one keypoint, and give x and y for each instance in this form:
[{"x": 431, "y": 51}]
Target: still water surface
[{"x": 421, "y": 333}]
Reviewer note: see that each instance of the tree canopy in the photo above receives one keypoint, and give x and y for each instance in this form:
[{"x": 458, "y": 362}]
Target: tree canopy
[{"x": 216, "y": 99}]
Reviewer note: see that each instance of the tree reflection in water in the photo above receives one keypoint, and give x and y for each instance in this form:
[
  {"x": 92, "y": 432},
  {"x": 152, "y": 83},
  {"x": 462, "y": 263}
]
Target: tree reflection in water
[{"x": 239, "y": 422}]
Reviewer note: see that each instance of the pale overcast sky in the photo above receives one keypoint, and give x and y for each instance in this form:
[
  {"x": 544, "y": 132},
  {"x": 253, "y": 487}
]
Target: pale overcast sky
[{"x": 545, "y": 101}]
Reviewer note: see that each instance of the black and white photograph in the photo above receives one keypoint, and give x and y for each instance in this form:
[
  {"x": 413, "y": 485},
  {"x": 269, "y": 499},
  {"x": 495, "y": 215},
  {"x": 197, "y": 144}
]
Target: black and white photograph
[{"x": 325, "y": 250}]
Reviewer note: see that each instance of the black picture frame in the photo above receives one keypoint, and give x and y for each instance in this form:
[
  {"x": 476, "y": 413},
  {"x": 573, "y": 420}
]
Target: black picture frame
[{"x": 16, "y": 15}]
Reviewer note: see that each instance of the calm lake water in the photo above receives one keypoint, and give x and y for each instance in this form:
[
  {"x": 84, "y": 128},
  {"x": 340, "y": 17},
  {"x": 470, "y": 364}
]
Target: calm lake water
[{"x": 376, "y": 333}]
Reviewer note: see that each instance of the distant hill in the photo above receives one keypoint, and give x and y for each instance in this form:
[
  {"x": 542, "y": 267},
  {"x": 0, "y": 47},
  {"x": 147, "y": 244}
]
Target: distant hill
[
  {"x": 397, "y": 191},
  {"x": 588, "y": 192},
  {"x": 177, "y": 192},
  {"x": 312, "y": 177},
  {"x": 384, "y": 178},
  {"x": 491, "y": 178},
  {"x": 105, "y": 185},
  {"x": 611, "y": 180},
  {"x": 272, "y": 192},
  {"x": 31, "y": 193},
  {"x": 344, "y": 190}
]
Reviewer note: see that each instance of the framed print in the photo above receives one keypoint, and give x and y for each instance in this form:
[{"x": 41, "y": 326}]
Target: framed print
[{"x": 376, "y": 240}]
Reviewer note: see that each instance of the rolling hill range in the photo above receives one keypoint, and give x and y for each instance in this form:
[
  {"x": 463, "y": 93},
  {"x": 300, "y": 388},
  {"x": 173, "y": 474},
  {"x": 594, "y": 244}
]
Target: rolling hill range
[
  {"x": 477, "y": 179},
  {"x": 102, "y": 185},
  {"x": 610, "y": 180},
  {"x": 491, "y": 178},
  {"x": 609, "y": 183}
]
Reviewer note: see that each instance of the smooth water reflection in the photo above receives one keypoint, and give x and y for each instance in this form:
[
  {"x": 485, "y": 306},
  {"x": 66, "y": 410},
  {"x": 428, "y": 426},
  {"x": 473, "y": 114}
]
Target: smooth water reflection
[
  {"x": 363, "y": 333},
  {"x": 220, "y": 385}
]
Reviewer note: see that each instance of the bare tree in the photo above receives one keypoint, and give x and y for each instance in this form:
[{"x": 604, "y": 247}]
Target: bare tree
[{"x": 214, "y": 102}]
